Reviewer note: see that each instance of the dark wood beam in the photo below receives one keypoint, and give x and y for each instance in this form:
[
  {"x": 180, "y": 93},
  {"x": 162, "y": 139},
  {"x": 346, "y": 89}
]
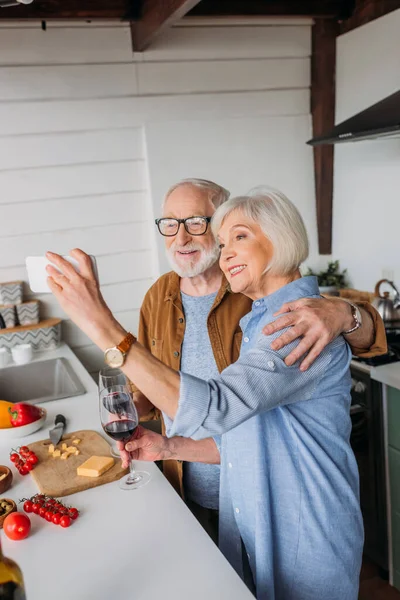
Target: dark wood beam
[
  {"x": 323, "y": 71},
  {"x": 157, "y": 15},
  {"x": 300, "y": 8},
  {"x": 367, "y": 11},
  {"x": 45, "y": 10}
]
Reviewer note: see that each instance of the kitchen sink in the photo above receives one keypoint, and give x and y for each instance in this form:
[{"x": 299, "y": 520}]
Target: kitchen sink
[{"x": 39, "y": 381}]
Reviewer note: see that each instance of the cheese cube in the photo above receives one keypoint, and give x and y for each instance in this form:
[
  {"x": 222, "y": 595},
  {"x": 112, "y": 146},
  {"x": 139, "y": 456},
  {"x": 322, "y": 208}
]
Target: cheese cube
[
  {"x": 64, "y": 447},
  {"x": 77, "y": 452},
  {"x": 56, "y": 453},
  {"x": 95, "y": 466},
  {"x": 64, "y": 456},
  {"x": 71, "y": 449},
  {"x": 51, "y": 448},
  {"x": 76, "y": 441}
]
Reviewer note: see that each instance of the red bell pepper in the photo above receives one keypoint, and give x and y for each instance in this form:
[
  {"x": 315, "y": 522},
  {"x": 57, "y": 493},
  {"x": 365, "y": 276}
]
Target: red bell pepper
[{"x": 23, "y": 414}]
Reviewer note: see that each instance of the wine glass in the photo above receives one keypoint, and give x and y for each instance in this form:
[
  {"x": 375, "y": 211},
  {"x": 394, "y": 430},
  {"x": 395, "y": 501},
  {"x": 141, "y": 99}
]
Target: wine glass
[
  {"x": 119, "y": 419},
  {"x": 109, "y": 376}
]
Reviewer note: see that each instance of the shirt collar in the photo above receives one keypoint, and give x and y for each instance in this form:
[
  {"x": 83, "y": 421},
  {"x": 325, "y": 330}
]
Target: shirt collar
[{"x": 300, "y": 288}]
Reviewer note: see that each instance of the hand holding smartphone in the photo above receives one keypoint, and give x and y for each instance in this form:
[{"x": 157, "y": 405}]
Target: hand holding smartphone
[{"x": 37, "y": 274}]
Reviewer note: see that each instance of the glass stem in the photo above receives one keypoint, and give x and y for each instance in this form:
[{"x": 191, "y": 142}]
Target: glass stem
[{"x": 133, "y": 477}]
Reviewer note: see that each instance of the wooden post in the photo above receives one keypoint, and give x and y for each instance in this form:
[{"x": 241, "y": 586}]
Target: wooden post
[{"x": 323, "y": 69}]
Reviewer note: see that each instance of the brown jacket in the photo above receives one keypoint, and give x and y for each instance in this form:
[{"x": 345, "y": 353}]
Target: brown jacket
[{"x": 162, "y": 327}]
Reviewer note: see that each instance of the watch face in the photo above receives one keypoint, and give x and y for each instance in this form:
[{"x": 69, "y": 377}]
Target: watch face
[{"x": 114, "y": 358}]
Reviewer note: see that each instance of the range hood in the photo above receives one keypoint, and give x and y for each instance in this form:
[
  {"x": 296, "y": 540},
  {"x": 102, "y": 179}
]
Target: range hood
[{"x": 378, "y": 121}]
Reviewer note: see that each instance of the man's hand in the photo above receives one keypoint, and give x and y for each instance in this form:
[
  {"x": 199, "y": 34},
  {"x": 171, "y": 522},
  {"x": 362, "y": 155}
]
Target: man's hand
[
  {"x": 317, "y": 321},
  {"x": 145, "y": 445}
]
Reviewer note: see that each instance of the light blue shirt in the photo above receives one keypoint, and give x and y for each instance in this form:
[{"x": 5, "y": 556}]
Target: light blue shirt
[
  {"x": 200, "y": 480},
  {"x": 289, "y": 479}
]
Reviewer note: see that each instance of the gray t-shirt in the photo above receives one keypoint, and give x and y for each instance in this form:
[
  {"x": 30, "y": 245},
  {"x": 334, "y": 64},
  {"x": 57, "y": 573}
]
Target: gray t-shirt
[{"x": 200, "y": 481}]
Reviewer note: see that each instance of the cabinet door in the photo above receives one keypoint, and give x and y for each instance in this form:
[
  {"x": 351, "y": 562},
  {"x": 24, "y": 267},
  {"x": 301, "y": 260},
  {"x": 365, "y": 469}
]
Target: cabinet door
[{"x": 393, "y": 397}]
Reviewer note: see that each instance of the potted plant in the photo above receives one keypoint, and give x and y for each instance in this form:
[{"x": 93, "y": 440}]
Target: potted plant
[{"x": 331, "y": 279}]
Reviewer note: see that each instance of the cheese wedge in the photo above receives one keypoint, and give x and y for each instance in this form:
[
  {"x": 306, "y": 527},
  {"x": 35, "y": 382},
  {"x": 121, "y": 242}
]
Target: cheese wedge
[{"x": 95, "y": 466}]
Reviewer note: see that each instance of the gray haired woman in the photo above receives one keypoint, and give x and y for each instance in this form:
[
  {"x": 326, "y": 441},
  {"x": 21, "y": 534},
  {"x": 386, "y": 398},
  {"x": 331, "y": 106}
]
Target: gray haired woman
[{"x": 289, "y": 480}]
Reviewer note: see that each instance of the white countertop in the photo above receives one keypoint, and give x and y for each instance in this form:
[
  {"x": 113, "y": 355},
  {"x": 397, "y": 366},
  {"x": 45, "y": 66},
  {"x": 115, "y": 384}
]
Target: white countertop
[
  {"x": 388, "y": 374},
  {"x": 142, "y": 544}
]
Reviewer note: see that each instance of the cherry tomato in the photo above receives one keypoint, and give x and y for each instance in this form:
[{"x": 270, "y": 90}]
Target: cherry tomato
[
  {"x": 63, "y": 510},
  {"x": 56, "y": 518},
  {"x": 14, "y": 457},
  {"x": 73, "y": 513},
  {"x": 28, "y": 506},
  {"x": 40, "y": 497},
  {"x": 36, "y": 508},
  {"x": 28, "y": 467},
  {"x": 32, "y": 459},
  {"x": 19, "y": 463},
  {"x": 48, "y": 516},
  {"x": 24, "y": 470},
  {"x": 65, "y": 521},
  {"x": 17, "y": 526},
  {"x": 24, "y": 450},
  {"x": 42, "y": 512},
  {"x": 51, "y": 501}
]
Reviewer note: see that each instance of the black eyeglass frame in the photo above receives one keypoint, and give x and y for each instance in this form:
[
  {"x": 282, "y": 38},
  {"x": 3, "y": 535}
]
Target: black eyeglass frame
[{"x": 179, "y": 221}]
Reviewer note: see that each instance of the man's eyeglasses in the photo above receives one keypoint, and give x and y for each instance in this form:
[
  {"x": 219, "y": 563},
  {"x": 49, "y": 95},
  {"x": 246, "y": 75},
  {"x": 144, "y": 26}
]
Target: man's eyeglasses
[{"x": 193, "y": 225}]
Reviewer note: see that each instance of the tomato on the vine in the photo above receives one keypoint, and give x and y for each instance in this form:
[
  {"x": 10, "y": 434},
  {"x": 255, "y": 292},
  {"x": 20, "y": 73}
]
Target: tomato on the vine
[
  {"x": 14, "y": 457},
  {"x": 65, "y": 521},
  {"x": 42, "y": 512},
  {"x": 56, "y": 518},
  {"x": 28, "y": 506},
  {"x": 48, "y": 515},
  {"x": 24, "y": 450},
  {"x": 73, "y": 513},
  {"x": 24, "y": 470},
  {"x": 17, "y": 526},
  {"x": 36, "y": 508},
  {"x": 32, "y": 459}
]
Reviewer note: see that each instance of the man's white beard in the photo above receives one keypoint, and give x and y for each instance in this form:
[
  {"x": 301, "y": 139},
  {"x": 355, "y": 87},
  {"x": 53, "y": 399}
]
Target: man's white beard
[{"x": 207, "y": 259}]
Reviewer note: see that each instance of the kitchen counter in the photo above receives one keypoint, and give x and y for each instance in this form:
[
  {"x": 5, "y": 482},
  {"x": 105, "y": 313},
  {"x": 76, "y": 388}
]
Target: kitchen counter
[
  {"x": 387, "y": 374},
  {"x": 141, "y": 544}
]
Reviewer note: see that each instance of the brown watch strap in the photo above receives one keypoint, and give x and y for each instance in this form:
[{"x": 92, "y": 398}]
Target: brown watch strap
[{"x": 126, "y": 343}]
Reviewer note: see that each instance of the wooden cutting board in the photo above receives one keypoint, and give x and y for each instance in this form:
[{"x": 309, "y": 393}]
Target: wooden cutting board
[{"x": 56, "y": 477}]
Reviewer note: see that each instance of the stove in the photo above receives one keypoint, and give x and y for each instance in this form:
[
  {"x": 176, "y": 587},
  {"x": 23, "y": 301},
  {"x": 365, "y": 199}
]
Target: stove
[{"x": 392, "y": 355}]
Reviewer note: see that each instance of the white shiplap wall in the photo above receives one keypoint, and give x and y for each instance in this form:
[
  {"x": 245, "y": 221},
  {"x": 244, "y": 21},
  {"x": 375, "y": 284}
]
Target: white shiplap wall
[
  {"x": 92, "y": 135},
  {"x": 73, "y": 175}
]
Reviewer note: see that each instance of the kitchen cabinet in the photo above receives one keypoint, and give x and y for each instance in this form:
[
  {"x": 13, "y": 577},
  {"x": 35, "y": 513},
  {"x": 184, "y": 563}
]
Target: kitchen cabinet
[{"x": 393, "y": 440}]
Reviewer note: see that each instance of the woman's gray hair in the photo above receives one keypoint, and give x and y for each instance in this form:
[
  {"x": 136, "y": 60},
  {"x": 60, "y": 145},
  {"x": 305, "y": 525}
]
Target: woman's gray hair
[
  {"x": 216, "y": 193},
  {"x": 280, "y": 221}
]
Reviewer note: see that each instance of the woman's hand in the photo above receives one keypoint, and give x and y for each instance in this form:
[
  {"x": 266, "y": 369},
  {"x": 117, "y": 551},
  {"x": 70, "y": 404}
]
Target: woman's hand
[
  {"x": 80, "y": 297},
  {"x": 144, "y": 445}
]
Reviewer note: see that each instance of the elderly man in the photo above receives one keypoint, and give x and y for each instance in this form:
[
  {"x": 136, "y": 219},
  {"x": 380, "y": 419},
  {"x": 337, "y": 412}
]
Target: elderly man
[{"x": 190, "y": 321}]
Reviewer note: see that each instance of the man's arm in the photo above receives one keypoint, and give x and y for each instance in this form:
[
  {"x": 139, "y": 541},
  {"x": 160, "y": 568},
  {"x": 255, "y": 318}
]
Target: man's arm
[
  {"x": 151, "y": 446},
  {"x": 318, "y": 321}
]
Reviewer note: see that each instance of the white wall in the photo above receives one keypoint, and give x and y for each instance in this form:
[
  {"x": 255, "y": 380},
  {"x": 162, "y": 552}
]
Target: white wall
[
  {"x": 245, "y": 112},
  {"x": 72, "y": 163},
  {"x": 367, "y": 173},
  {"x": 91, "y": 136}
]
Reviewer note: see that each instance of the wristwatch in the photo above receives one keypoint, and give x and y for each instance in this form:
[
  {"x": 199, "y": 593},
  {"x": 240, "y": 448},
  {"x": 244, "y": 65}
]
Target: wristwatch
[
  {"x": 115, "y": 357},
  {"x": 355, "y": 311}
]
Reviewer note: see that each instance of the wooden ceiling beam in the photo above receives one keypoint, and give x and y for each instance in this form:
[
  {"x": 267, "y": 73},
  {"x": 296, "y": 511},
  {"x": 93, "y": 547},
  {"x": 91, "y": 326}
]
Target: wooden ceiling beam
[
  {"x": 302, "y": 8},
  {"x": 366, "y": 11},
  {"x": 323, "y": 77},
  {"x": 45, "y": 10},
  {"x": 156, "y": 16}
]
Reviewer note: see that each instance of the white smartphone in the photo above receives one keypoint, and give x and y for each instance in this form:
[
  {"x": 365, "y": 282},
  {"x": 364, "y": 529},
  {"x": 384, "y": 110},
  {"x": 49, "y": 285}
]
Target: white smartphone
[{"x": 37, "y": 274}]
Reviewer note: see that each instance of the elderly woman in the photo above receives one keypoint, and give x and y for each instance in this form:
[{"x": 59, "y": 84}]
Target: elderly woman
[{"x": 289, "y": 481}]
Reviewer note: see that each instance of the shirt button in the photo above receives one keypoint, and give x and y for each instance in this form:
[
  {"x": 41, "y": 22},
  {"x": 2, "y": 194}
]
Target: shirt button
[
  {"x": 180, "y": 320},
  {"x": 246, "y": 339},
  {"x": 256, "y": 303},
  {"x": 271, "y": 364},
  {"x": 176, "y": 354},
  {"x": 230, "y": 465},
  {"x": 237, "y": 510}
]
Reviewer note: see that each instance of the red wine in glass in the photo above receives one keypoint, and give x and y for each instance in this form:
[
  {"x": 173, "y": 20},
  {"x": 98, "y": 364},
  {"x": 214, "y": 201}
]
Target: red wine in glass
[{"x": 120, "y": 431}]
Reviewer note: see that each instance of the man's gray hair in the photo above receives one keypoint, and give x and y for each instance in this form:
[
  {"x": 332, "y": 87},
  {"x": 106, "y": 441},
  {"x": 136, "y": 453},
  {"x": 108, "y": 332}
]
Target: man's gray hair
[
  {"x": 280, "y": 221},
  {"x": 216, "y": 193}
]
